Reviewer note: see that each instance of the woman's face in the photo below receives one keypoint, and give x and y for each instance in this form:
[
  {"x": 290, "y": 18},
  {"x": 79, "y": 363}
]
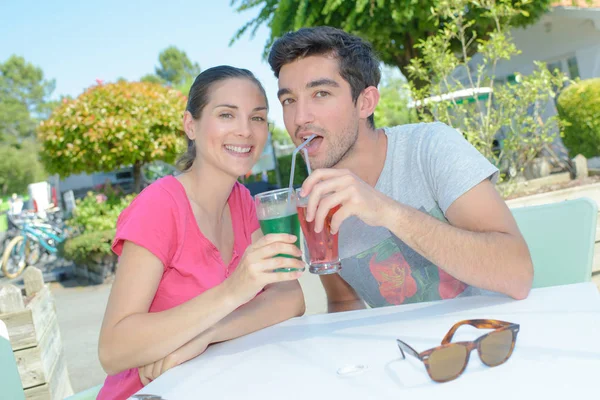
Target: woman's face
[{"x": 233, "y": 129}]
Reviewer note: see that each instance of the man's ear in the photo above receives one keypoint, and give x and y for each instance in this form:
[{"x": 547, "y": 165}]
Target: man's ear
[
  {"x": 367, "y": 101},
  {"x": 189, "y": 125}
]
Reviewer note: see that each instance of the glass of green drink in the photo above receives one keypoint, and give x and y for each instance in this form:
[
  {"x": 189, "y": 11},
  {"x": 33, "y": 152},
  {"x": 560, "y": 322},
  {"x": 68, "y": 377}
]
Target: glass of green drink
[{"x": 277, "y": 213}]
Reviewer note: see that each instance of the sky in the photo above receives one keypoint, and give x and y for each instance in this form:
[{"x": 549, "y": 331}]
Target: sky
[{"x": 77, "y": 42}]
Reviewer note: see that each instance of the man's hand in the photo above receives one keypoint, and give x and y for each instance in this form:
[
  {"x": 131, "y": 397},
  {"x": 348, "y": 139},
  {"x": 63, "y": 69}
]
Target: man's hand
[
  {"x": 329, "y": 188},
  {"x": 192, "y": 349}
]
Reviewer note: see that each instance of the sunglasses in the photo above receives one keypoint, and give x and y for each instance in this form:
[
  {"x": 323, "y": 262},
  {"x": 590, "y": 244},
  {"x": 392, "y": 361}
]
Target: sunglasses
[{"x": 448, "y": 361}]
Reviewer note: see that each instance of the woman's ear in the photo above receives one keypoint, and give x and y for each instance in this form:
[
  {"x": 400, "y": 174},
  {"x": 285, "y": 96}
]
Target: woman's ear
[
  {"x": 189, "y": 125},
  {"x": 368, "y": 100}
]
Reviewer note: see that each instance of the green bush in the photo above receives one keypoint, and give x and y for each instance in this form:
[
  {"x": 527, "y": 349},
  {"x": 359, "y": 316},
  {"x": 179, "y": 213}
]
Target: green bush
[
  {"x": 285, "y": 166},
  {"x": 88, "y": 247},
  {"x": 98, "y": 211},
  {"x": 579, "y": 111}
]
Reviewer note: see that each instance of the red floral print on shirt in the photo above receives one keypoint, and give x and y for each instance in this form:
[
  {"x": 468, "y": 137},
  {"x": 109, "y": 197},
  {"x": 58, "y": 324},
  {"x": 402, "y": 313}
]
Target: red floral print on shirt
[
  {"x": 394, "y": 276},
  {"x": 450, "y": 287}
]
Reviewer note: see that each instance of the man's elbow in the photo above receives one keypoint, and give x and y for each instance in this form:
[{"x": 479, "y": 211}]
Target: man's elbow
[{"x": 520, "y": 287}]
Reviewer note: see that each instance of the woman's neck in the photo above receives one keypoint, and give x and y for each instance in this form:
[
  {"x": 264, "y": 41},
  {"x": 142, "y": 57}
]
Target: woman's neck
[{"x": 208, "y": 188}]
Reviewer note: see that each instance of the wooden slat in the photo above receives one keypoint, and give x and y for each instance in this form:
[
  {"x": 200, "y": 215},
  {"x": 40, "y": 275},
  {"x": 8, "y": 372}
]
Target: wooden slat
[
  {"x": 58, "y": 388},
  {"x": 25, "y": 328},
  {"x": 36, "y": 363}
]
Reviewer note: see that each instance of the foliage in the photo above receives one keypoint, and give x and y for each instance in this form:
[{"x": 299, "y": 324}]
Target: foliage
[
  {"x": 87, "y": 246},
  {"x": 280, "y": 136},
  {"x": 579, "y": 110},
  {"x": 392, "y": 26},
  {"x": 175, "y": 69},
  {"x": 510, "y": 113},
  {"x": 98, "y": 211},
  {"x": 111, "y": 126},
  {"x": 151, "y": 78},
  {"x": 285, "y": 167},
  {"x": 393, "y": 109},
  {"x": 19, "y": 166},
  {"x": 24, "y": 99}
]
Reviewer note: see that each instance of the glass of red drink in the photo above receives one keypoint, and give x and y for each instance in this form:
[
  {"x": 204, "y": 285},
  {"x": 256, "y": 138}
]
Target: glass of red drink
[{"x": 323, "y": 246}]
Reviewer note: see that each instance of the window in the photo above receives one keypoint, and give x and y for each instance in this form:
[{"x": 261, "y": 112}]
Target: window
[{"x": 573, "y": 67}]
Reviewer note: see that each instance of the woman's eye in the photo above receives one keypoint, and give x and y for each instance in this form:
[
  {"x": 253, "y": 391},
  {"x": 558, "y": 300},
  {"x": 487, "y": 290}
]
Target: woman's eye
[
  {"x": 321, "y": 94},
  {"x": 258, "y": 119},
  {"x": 226, "y": 115}
]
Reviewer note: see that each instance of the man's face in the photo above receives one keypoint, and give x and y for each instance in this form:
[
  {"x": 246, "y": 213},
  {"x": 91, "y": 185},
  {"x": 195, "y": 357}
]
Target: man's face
[{"x": 317, "y": 100}]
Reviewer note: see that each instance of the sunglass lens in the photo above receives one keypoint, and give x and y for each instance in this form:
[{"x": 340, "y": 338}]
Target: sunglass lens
[
  {"x": 447, "y": 363},
  {"x": 496, "y": 347}
]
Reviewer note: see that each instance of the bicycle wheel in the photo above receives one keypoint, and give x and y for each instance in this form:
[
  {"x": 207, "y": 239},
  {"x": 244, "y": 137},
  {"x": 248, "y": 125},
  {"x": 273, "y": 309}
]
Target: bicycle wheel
[
  {"x": 14, "y": 258},
  {"x": 33, "y": 251}
]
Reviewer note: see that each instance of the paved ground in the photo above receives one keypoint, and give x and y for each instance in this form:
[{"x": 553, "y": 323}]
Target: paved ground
[{"x": 80, "y": 310}]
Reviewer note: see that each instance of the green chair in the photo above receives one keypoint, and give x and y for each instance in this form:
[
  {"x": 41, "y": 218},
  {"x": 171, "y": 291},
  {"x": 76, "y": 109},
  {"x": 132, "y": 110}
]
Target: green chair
[
  {"x": 88, "y": 394},
  {"x": 561, "y": 240},
  {"x": 10, "y": 381}
]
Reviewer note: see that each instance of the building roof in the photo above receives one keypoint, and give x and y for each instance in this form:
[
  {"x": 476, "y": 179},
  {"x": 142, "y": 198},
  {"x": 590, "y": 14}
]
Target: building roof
[{"x": 577, "y": 3}]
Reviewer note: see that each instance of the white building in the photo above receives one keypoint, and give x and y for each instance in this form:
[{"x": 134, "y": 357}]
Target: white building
[{"x": 567, "y": 38}]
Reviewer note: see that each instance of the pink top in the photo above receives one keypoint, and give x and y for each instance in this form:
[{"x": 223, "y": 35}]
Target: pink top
[{"x": 161, "y": 220}]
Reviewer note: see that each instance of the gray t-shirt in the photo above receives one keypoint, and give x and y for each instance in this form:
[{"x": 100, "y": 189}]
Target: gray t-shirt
[{"x": 427, "y": 167}]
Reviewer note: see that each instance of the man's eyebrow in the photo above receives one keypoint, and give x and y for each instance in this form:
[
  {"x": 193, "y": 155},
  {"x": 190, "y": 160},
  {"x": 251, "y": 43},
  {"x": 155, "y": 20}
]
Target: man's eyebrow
[
  {"x": 322, "y": 82},
  {"x": 283, "y": 91},
  {"x": 311, "y": 84}
]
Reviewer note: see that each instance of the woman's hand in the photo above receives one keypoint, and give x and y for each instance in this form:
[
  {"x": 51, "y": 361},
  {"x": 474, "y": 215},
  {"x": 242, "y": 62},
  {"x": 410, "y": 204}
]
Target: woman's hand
[{"x": 257, "y": 266}]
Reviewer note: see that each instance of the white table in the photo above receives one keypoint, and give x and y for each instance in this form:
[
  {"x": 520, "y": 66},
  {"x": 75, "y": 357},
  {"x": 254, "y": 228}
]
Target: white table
[{"x": 557, "y": 354}]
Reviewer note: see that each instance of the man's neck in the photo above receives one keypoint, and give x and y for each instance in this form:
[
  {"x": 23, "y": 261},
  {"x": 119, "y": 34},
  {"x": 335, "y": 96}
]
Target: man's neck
[{"x": 368, "y": 156}]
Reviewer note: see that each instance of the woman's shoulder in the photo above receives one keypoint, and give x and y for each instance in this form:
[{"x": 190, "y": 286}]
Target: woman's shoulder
[{"x": 161, "y": 196}]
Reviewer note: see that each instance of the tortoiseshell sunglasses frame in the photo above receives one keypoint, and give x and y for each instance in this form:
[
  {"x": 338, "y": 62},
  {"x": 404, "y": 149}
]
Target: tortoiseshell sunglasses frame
[{"x": 498, "y": 326}]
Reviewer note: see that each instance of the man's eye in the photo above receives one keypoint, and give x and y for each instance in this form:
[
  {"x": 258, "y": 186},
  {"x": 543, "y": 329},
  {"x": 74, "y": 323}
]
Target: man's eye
[
  {"x": 287, "y": 101},
  {"x": 321, "y": 93},
  {"x": 226, "y": 115}
]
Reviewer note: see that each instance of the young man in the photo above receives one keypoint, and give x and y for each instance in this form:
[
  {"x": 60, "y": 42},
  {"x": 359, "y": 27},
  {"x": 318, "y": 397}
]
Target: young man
[{"x": 421, "y": 217}]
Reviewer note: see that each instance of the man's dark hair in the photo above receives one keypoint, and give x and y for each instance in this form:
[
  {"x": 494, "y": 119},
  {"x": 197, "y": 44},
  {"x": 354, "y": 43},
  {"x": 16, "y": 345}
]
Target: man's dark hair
[{"x": 358, "y": 64}]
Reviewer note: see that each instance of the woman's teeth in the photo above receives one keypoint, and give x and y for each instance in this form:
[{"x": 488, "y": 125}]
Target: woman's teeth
[{"x": 238, "y": 149}]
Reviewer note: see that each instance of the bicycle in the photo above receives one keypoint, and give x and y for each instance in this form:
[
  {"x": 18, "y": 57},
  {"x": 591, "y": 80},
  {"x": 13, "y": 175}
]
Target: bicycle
[{"x": 26, "y": 247}]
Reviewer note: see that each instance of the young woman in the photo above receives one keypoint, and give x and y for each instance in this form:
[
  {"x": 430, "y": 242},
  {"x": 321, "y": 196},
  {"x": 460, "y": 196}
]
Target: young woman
[{"x": 194, "y": 268}]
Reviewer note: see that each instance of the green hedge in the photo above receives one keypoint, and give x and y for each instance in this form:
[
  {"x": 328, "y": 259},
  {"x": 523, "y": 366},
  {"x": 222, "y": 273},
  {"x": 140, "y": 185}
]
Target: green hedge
[
  {"x": 579, "y": 111},
  {"x": 88, "y": 246},
  {"x": 284, "y": 165}
]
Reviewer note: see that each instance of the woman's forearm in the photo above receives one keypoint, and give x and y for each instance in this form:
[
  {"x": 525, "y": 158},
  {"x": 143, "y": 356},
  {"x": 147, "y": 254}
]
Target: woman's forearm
[
  {"x": 144, "y": 338},
  {"x": 277, "y": 303}
]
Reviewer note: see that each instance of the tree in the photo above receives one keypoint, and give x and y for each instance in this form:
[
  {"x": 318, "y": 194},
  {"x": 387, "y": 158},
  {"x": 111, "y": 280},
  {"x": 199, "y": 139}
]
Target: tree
[
  {"x": 112, "y": 126},
  {"x": 24, "y": 99},
  {"x": 464, "y": 93},
  {"x": 393, "y": 107},
  {"x": 175, "y": 66},
  {"x": 19, "y": 166},
  {"x": 151, "y": 78},
  {"x": 394, "y": 27}
]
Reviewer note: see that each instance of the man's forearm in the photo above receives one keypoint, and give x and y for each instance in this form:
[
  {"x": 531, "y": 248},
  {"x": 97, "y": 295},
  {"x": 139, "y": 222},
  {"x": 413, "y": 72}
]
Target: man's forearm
[{"x": 489, "y": 260}]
